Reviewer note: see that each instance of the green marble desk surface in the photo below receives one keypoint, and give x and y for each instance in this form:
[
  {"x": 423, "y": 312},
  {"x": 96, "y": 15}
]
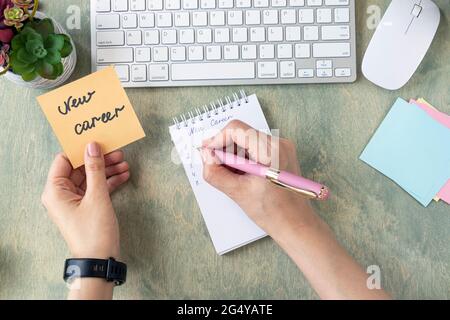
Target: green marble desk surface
[{"x": 164, "y": 239}]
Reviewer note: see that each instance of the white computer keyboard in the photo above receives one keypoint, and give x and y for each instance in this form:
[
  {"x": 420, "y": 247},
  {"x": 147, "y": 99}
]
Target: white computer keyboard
[{"x": 155, "y": 43}]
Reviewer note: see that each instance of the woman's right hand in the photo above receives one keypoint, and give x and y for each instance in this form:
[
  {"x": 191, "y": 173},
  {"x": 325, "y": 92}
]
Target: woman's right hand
[{"x": 268, "y": 205}]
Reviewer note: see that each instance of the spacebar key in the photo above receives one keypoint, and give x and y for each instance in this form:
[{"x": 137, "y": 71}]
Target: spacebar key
[{"x": 213, "y": 71}]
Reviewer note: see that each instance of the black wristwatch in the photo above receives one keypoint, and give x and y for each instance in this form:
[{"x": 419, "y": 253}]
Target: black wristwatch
[{"x": 110, "y": 270}]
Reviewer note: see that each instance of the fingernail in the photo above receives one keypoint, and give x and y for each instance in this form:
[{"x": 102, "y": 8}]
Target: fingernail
[{"x": 94, "y": 150}]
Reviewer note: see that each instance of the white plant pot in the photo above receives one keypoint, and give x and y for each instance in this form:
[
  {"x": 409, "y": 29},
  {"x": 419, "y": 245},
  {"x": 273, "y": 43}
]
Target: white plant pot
[{"x": 69, "y": 64}]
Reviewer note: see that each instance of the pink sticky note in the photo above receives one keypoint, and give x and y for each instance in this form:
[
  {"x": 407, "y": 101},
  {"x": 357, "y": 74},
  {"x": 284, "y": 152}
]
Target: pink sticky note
[{"x": 443, "y": 118}]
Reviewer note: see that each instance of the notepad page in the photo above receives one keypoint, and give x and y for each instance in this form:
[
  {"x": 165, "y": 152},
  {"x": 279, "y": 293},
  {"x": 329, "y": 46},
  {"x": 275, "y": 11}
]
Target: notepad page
[{"x": 228, "y": 226}]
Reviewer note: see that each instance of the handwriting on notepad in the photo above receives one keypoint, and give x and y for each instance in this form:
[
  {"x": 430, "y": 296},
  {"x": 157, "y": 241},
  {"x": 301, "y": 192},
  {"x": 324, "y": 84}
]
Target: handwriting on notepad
[{"x": 212, "y": 123}]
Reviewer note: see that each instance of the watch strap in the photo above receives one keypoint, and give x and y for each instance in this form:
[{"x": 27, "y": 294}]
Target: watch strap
[{"x": 108, "y": 269}]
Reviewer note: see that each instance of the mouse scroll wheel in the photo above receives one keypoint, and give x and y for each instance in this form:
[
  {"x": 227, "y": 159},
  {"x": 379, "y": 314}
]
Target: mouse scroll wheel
[{"x": 416, "y": 11}]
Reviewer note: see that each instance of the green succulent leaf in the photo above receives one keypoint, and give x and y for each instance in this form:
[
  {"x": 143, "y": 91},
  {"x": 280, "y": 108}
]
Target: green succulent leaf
[
  {"x": 59, "y": 68},
  {"x": 44, "y": 27},
  {"x": 20, "y": 68},
  {"x": 53, "y": 56},
  {"x": 35, "y": 48},
  {"x": 25, "y": 57},
  {"x": 45, "y": 69},
  {"x": 67, "y": 49},
  {"x": 29, "y": 76},
  {"x": 54, "y": 41},
  {"x": 17, "y": 42}
]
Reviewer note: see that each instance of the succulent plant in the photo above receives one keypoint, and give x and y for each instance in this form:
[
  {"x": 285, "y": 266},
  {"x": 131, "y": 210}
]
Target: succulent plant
[
  {"x": 37, "y": 50},
  {"x": 4, "y": 58},
  {"x": 24, "y": 4},
  {"x": 15, "y": 16}
]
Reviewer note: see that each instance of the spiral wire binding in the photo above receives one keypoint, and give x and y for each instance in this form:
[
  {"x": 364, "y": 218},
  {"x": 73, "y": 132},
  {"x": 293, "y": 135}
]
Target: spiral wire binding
[{"x": 214, "y": 108}]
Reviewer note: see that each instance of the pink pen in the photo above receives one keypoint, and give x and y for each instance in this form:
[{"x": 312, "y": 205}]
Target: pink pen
[{"x": 303, "y": 186}]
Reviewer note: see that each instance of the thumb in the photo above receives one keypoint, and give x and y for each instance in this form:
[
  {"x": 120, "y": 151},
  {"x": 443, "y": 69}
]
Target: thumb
[{"x": 94, "y": 163}]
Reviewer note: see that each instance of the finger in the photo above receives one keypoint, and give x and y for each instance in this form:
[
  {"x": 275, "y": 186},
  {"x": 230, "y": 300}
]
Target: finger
[
  {"x": 94, "y": 164},
  {"x": 60, "y": 168},
  {"x": 219, "y": 176},
  {"x": 117, "y": 169},
  {"x": 116, "y": 181},
  {"x": 256, "y": 143},
  {"x": 114, "y": 158},
  {"x": 78, "y": 176}
]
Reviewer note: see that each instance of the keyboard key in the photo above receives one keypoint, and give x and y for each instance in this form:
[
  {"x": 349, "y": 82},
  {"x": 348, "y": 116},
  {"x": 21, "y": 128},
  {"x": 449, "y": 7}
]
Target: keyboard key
[
  {"x": 222, "y": 35},
  {"x": 337, "y": 2},
  {"x": 303, "y": 51},
  {"x": 343, "y": 72},
  {"x": 213, "y": 53},
  {"x": 190, "y": 4},
  {"x": 243, "y": 3},
  {"x": 160, "y": 54},
  {"x": 287, "y": 69},
  {"x": 235, "y": 18},
  {"x": 324, "y": 64},
  {"x": 306, "y": 16},
  {"x": 139, "y": 73},
  {"x": 213, "y": 71},
  {"x": 342, "y": 15},
  {"x": 208, "y": 4},
  {"x": 195, "y": 53},
  {"x": 147, "y": 20},
  {"x": 151, "y": 37},
  {"x": 306, "y": 73},
  {"x": 120, "y": 5},
  {"x": 204, "y": 35},
  {"x": 217, "y": 18},
  {"x": 311, "y": 33},
  {"x": 331, "y": 50},
  {"x": 261, "y": 3},
  {"x": 225, "y": 4},
  {"x": 182, "y": 19},
  {"x": 324, "y": 73},
  {"x": 155, "y": 4},
  {"x": 187, "y": 36},
  {"x": 137, "y": 5},
  {"x": 103, "y": 5},
  {"x": 240, "y": 35},
  {"x": 168, "y": 36},
  {"x": 323, "y": 16},
  {"x": 288, "y": 16},
  {"x": 252, "y": 17},
  {"x": 178, "y": 53},
  {"x": 297, "y": 3},
  {"x": 293, "y": 34},
  {"x": 108, "y": 21},
  {"x": 173, "y": 4},
  {"x": 258, "y": 34},
  {"x": 279, "y": 3},
  {"x": 199, "y": 19},
  {"x": 248, "y": 52},
  {"x": 284, "y": 51},
  {"x": 270, "y": 16},
  {"x": 134, "y": 38},
  {"x": 267, "y": 51},
  {"x": 142, "y": 55},
  {"x": 335, "y": 33},
  {"x": 314, "y": 3},
  {"x": 163, "y": 19},
  {"x": 275, "y": 34},
  {"x": 110, "y": 38},
  {"x": 129, "y": 21},
  {"x": 116, "y": 55},
  {"x": 231, "y": 52},
  {"x": 159, "y": 72},
  {"x": 267, "y": 70}
]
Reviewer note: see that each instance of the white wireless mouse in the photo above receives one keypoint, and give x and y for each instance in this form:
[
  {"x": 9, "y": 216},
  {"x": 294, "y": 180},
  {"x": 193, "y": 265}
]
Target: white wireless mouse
[{"x": 400, "y": 42}]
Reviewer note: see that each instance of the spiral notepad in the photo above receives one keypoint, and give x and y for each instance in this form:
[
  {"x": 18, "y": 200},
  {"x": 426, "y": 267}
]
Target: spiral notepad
[{"x": 228, "y": 226}]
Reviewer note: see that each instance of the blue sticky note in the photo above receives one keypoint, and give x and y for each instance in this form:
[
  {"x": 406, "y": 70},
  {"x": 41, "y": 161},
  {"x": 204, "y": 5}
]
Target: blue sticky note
[{"x": 413, "y": 150}]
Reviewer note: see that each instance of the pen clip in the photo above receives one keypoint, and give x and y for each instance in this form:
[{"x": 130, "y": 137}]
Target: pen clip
[{"x": 273, "y": 174}]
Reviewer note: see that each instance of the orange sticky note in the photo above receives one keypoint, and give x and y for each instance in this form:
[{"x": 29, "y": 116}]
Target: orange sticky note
[{"x": 94, "y": 108}]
